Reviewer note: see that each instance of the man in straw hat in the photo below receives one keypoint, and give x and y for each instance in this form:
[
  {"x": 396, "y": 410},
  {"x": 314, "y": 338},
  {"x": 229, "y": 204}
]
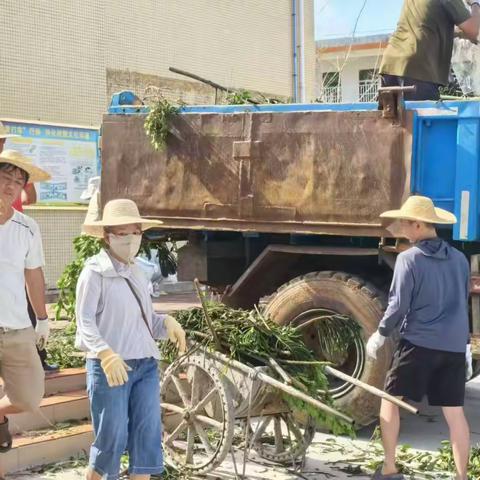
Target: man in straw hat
[
  {"x": 428, "y": 300},
  {"x": 21, "y": 262},
  {"x": 27, "y": 196},
  {"x": 118, "y": 328}
]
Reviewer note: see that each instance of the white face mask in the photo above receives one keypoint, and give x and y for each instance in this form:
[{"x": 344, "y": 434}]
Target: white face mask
[{"x": 125, "y": 246}]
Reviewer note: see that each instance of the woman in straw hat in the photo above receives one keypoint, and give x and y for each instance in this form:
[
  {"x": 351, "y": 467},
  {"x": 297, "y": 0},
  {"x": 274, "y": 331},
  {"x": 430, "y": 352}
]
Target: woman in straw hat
[
  {"x": 428, "y": 300},
  {"x": 21, "y": 263},
  {"x": 117, "y": 326}
]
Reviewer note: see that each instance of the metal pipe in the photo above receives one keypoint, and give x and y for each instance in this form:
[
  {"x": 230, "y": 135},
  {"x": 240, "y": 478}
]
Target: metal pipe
[
  {"x": 301, "y": 49},
  {"x": 294, "y": 51}
]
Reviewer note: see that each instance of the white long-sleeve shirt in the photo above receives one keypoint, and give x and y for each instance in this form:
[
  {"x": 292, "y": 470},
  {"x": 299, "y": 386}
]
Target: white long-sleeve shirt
[{"x": 108, "y": 315}]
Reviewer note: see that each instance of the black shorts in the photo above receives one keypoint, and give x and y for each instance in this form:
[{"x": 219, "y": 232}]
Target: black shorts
[{"x": 418, "y": 371}]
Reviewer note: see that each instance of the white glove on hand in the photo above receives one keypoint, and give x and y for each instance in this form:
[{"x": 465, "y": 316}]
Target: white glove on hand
[
  {"x": 116, "y": 370},
  {"x": 375, "y": 342},
  {"x": 42, "y": 330},
  {"x": 176, "y": 334},
  {"x": 468, "y": 363}
]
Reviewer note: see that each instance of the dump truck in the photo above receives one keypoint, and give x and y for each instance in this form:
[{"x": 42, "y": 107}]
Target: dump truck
[{"x": 279, "y": 205}]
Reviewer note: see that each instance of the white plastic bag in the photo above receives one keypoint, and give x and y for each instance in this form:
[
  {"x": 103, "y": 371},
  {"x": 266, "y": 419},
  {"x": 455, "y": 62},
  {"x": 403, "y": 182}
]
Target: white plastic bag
[{"x": 466, "y": 65}]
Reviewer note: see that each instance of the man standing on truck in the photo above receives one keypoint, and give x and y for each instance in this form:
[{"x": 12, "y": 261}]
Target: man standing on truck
[
  {"x": 428, "y": 300},
  {"x": 420, "y": 50}
]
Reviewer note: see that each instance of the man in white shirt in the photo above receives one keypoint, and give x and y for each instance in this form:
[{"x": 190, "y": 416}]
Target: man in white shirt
[{"x": 21, "y": 263}]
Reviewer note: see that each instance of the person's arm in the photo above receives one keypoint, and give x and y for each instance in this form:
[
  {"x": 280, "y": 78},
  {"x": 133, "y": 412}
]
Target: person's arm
[
  {"x": 34, "y": 279},
  {"x": 165, "y": 326},
  {"x": 88, "y": 296},
  {"x": 471, "y": 27},
  {"x": 399, "y": 298},
  {"x": 35, "y": 282},
  {"x": 29, "y": 194},
  {"x": 158, "y": 326},
  {"x": 399, "y": 301}
]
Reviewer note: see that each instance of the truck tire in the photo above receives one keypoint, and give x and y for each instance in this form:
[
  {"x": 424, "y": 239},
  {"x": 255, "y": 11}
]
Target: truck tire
[{"x": 348, "y": 295}]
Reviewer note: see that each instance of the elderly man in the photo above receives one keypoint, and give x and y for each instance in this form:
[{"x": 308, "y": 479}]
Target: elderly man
[
  {"x": 420, "y": 50},
  {"x": 428, "y": 300},
  {"x": 21, "y": 262}
]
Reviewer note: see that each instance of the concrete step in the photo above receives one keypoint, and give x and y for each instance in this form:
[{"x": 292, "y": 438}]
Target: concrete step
[
  {"x": 42, "y": 448},
  {"x": 54, "y": 409},
  {"x": 67, "y": 380}
]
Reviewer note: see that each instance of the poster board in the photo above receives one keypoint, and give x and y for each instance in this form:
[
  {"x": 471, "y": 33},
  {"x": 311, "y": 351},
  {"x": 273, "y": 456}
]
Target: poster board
[{"x": 70, "y": 154}]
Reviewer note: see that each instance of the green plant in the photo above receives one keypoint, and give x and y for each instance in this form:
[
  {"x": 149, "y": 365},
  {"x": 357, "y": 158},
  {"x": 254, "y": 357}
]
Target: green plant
[
  {"x": 242, "y": 97},
  {"x": 84, "y": 247},
  {"x": 157, "y": 123},
  {"x": 239, "y": 97},
  {"x": 412, "y": 463},
  {"x": 61, "y": 348},
  {"x": 249, "y": 337}
]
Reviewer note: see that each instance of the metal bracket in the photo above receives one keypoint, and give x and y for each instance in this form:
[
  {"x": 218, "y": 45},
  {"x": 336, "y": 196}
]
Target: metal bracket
[
  {"x": 244, "y": 152},
  {"x": 391, "y": 102}
]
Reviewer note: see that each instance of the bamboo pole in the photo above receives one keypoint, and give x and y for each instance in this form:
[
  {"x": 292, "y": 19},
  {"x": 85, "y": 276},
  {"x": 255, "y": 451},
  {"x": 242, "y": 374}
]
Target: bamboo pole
[{"x": 373, "y": 390}]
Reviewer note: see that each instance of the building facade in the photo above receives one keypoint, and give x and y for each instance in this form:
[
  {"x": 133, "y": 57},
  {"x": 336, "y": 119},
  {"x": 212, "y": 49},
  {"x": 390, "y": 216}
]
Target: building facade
[
  {"x": 62, "y": 59},
  {"x": 347, "y": 69}
]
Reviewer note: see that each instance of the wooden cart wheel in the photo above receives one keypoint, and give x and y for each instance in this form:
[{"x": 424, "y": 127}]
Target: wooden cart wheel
[
  {"x": 198, "y": 416},
  {"x": 280, "y": 438}
]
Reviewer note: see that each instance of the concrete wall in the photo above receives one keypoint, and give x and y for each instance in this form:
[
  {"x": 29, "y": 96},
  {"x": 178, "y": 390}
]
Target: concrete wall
[{"x": 61, "y": 59}]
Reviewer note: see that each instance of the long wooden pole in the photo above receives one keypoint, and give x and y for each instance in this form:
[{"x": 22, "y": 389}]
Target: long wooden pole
[
  {"x": 207, "y": 317},
  {"x": 373, "y": 390},
  {"x": 280, "y": 386}
]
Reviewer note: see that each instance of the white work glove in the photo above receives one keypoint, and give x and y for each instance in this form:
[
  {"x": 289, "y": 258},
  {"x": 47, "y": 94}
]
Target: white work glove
[
  {"x": 176, "y": 334},
  {"x": 468, "y": 363},
  {"x": 114, "y": 367},
  {"x": 42, "y": 330},
  {"x": 375, "y": 342}
]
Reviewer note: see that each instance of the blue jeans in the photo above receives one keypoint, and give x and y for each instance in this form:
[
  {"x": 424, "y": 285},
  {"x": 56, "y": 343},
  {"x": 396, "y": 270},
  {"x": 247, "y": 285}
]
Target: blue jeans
[{"x": 126, "y": 418}]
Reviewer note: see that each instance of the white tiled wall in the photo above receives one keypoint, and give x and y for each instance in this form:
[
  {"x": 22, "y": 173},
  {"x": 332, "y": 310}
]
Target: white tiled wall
[{"x": 54, "y": 54}]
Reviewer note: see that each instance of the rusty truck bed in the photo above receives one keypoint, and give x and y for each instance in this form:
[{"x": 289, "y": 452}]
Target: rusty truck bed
[{"x": 321, "y": 172}]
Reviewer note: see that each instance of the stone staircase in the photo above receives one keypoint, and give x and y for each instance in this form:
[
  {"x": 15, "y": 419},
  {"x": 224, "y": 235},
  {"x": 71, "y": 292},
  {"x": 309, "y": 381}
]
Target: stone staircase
[{"x": 58, "y": 430}]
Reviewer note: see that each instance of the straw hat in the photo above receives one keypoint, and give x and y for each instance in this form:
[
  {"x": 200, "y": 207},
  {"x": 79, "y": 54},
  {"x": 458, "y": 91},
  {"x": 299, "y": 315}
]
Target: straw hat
[
  {"x": 4, "y": 133},
  {"x": 21, "y": 161},
  {"x": 421, "y": 209},
  {"x": 118, "y": 212}
]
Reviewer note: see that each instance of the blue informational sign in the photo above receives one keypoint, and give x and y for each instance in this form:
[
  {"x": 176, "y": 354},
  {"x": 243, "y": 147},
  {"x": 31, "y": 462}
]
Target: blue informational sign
[{"x": 69, "y": 154}]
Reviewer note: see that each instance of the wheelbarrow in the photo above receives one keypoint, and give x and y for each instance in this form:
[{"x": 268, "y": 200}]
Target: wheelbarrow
[{"x": 206, "y": 395}]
